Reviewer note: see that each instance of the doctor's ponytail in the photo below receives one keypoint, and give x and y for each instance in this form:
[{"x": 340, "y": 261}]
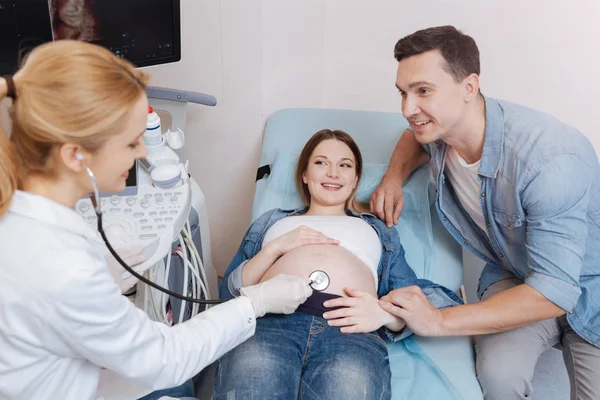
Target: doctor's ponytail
[{"x": 8, "y": 161}]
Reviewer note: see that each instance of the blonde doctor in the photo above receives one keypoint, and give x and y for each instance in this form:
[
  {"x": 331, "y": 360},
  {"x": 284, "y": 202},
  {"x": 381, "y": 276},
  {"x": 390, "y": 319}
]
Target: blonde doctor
[{"x": 62, "y": 315}]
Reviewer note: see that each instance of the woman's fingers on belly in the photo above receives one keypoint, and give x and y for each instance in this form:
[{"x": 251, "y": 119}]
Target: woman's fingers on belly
[
  {"x": 340, "y": 302},
  {"x": 342, "y": 322},
  {"x": 343, "y": 312}
]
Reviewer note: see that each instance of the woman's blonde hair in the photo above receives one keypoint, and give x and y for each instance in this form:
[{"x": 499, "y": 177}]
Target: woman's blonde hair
[
  {"x": 351, "y": 203},
  {"x": 66, "y": 92}
]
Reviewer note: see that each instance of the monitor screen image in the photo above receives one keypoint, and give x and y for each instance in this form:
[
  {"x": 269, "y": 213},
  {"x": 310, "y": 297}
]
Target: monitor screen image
[{"x": 145, "y": 32}]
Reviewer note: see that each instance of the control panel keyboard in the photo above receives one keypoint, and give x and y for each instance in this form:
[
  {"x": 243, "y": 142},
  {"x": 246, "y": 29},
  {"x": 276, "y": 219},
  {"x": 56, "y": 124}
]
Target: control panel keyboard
[{"x": 152, "y": 218}]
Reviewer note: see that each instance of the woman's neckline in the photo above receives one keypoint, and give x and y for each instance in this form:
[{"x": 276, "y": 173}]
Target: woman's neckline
[{"x": 319, "y": 216}]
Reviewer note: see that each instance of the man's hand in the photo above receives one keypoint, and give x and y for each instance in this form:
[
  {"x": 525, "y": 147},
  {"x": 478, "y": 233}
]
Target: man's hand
[
  {"x": 411, "y": 304},
  {"x": 387, "y": 200},
  {"x": 361, "y": 313}
]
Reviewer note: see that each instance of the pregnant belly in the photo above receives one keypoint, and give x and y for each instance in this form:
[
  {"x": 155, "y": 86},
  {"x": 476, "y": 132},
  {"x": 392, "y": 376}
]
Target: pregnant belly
[{"x": 343, "y": 267}]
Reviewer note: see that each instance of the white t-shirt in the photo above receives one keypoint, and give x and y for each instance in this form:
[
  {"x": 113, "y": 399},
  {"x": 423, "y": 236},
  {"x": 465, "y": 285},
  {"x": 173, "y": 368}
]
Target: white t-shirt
[
  {"x": 465, "y": 182},
  {"x": 354, "y": 234}
]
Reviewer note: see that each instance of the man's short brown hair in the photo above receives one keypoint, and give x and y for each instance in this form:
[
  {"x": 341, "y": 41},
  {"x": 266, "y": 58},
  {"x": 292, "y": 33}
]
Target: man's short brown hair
[{"x": 459, "y": 50}]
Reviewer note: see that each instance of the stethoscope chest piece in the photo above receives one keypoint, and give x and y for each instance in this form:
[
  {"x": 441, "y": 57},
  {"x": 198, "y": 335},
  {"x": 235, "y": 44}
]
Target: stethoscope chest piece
[{"x": 319, "y": 280}]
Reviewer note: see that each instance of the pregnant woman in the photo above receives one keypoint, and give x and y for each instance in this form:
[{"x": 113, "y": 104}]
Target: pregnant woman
[{"x": 306, "y": 355}]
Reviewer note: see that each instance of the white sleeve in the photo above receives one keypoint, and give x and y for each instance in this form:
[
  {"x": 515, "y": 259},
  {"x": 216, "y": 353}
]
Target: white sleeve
[{"x": 108, "y": 330}]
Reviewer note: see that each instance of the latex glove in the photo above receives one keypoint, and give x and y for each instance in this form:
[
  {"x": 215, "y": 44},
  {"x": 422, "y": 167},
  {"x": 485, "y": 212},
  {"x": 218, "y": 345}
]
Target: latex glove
[
  {"x": 132, "y": 255},
  {"x": 279, "y": 295}
]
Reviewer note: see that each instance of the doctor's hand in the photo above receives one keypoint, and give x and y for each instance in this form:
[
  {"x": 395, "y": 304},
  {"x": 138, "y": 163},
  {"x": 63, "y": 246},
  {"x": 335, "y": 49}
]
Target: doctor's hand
[
  {"x": 411, "y": 304},
  {"x": 301, "y": 236},
  {"x": 279, "y": 295},
  {"x": 132, "y": 255},
  {"x": 361, "y": 313},
  {"x": 387, "y": 200}
]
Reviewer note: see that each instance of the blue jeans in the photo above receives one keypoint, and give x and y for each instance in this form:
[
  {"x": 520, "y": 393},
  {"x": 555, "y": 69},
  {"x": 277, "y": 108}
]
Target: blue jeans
[
  {"x": 186, "y": 390},
  {"x": 299, "y": 356}
]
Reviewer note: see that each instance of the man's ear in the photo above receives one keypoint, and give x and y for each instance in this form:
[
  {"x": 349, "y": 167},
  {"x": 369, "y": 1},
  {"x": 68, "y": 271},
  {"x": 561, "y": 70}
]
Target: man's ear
[{"x": 470, "y": 87}]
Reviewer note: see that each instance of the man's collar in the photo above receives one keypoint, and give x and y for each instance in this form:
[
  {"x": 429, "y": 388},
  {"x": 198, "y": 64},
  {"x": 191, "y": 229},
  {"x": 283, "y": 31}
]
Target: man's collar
[{"x": 494, "y": 139}]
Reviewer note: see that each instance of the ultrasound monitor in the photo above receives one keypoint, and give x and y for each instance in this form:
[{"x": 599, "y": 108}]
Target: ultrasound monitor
[{"x": 145, "y": 32}]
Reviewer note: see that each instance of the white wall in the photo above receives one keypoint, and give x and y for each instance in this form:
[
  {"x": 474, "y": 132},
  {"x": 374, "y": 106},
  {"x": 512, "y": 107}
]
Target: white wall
[
  {"x": 258, "y": 56},
  {"x": 222, "y": 56}
]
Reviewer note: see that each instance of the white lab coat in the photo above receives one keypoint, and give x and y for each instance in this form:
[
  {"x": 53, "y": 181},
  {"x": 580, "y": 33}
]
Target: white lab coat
[{"x": 62, "y": 317}]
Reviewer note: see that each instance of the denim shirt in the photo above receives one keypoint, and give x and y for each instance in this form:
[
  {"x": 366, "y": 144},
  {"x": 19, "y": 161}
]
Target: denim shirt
[
  {"x": 393, "y": 271},
  {"x": 540, "y": 197}
]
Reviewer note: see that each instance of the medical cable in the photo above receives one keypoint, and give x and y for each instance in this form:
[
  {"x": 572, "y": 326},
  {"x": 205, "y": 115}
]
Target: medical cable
[
  {"x": 94, "y": 197},
  {"x": 187, "y": 231},
  {"x": 197, "y": 262},
  {"x": 164, "y": 300},
  {"x": 141, "y": 278},
  {"x": 183, "y": 255},
  {"x": 198, "y": 265},
  {"x": 201, "y": 288},
  {"x": 195, "y": 276}
]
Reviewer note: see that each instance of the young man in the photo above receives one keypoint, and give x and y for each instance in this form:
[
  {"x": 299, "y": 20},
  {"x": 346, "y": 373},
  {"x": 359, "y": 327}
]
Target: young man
[{"x": 519, "y": 189}]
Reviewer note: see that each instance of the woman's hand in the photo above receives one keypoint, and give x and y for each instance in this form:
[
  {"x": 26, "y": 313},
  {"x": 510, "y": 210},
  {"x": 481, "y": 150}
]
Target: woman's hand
[
  {"x": 131, "y": 255},
  {"x": 258, "y": 265},
  {"x": 361, "y": 313},
  {"x": 301, "y": 236}
]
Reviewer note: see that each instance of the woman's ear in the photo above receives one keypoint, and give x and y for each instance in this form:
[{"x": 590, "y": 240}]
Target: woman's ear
[
  {"x": 72, "y": 156},
  {"x": 304, "y": 179}
]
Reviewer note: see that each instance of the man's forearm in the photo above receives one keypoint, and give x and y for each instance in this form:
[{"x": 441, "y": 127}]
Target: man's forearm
[
  {"x": 509, "y": 309},
  {"x": 406, "y": 158}
]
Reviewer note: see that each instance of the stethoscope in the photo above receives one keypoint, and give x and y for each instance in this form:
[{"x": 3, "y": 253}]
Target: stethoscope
[{"x": 319, "y": 280}]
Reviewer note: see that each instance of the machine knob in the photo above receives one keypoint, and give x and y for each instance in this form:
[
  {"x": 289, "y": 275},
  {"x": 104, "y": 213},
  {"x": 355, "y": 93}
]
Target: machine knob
[
  {"x": 114, "y": 199},
  {"x": 174, "y": 199},
  {"x": 145, "y": 203},
  {"x": 131, "y": 200},
  {"x": 83, "y": 207},
  {"x": 114, "y": 231},
  {"x": 159, "y": 199}
]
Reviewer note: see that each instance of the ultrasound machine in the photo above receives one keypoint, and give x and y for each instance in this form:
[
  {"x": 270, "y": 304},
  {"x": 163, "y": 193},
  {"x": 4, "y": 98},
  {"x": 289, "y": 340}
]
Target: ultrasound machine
[{"x": 162, "y": 207}]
